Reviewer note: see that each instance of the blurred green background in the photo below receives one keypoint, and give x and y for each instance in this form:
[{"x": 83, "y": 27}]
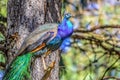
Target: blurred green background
[
  {"x": 94, "y": 49},
  {"x": 3, "y": 21},
  {"x": 93, "y": 55}
]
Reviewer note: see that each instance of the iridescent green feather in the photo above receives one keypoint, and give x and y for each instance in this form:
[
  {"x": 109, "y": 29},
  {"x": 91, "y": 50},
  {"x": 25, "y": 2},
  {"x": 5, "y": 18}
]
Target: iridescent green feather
[{"x": 20, "y": 68}]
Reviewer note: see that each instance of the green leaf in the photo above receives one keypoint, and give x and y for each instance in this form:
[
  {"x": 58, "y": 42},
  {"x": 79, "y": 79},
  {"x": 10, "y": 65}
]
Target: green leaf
[
  {"x": 2, "y": 38},
  {"x": 2, "y": 57}
]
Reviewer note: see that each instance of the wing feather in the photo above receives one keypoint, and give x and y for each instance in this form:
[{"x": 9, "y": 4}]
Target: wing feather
[{"x": 39, "y": 34}]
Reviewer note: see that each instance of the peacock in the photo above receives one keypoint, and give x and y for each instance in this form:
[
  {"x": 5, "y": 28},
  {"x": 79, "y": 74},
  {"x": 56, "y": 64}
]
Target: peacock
[{"x": 43, "y": 40}]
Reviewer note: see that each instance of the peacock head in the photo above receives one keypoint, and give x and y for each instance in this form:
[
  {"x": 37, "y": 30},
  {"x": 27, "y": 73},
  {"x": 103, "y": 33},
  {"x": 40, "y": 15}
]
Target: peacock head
[{"x": 67, "y": 15}]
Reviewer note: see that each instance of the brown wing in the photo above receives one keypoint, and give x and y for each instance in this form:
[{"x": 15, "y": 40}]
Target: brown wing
[{"x": 38, "y": 35}]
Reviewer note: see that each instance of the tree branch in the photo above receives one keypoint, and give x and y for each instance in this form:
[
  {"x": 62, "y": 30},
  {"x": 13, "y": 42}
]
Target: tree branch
[
  {"x": 99, "y": 41},
  {"x": 109, "y": 68},
  {"x": 98, "y": 27}
]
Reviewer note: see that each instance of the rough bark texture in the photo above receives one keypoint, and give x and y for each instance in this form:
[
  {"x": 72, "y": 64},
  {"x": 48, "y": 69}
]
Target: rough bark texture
[{"x": 23, "y": 17}]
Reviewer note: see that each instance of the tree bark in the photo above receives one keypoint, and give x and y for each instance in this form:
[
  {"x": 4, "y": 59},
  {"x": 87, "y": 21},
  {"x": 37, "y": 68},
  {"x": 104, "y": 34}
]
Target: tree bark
[{"x": 23, "y": 17}]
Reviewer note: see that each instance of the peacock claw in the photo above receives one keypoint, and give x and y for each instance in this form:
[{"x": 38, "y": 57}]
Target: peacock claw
[{"x": 43, "y": 59}]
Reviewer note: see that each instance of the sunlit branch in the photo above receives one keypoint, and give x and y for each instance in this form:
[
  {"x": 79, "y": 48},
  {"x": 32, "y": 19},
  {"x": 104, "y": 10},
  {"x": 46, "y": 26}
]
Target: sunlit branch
[
  {"x": 100, "y": 42},
  {"x": 97, "y": 27},
  {"x": 109, "y": 68}
]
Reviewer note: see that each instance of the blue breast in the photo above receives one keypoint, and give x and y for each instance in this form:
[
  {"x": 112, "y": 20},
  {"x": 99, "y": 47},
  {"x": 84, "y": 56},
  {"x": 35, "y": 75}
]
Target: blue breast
[{"x": 65, "y": 29}]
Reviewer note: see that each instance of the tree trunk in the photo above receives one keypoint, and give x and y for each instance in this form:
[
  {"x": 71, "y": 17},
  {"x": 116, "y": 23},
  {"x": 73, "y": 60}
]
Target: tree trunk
[{"x": 23, "y": 17}]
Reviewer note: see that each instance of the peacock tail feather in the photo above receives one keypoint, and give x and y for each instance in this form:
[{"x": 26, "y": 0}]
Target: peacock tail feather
[{"x": 19, "y": 69}]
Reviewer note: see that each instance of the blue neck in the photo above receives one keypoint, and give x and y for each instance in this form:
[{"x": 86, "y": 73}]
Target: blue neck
[{"x": 65, "y": 29}]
